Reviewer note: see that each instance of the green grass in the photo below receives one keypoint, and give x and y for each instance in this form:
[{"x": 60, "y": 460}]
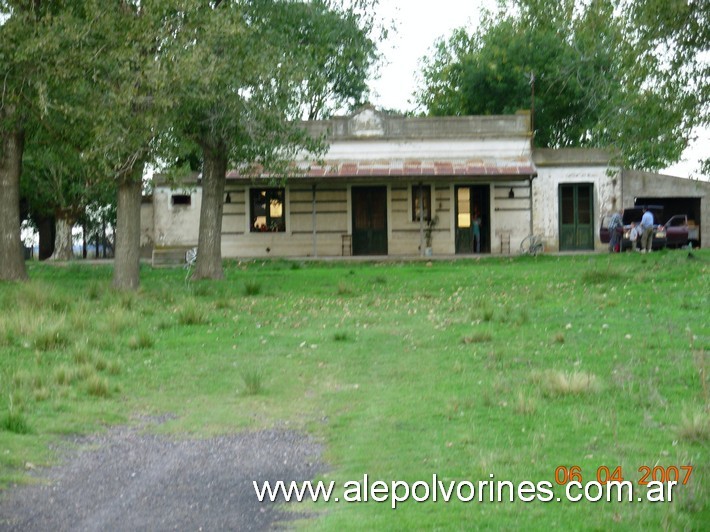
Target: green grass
[{"x": 504, "y": 366}]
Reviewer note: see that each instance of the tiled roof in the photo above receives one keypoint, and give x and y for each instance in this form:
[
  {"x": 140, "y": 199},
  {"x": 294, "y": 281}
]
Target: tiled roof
[{"x": 407, "y": 167}]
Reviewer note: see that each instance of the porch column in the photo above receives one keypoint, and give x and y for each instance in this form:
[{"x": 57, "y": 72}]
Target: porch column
[
  {"x": 315, "y": 234},
  {"x": 530, "y": 195},
  {"x": 421, "y": 219}
]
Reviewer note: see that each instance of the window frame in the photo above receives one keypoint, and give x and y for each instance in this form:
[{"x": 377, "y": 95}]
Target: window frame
[
  {"x": 427, "y": 193},
  {"x": 272, "y": 225},
  {"x": 183, "y": 200}
]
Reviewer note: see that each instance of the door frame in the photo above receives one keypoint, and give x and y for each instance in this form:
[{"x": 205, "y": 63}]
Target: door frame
[
  {"x": 480, "y": 193},
  {"x": 575, "y": 227},
  {"x": 351, "y": 218}
]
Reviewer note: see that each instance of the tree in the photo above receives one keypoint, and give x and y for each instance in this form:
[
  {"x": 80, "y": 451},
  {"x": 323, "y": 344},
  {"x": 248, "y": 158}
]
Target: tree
[
  {"x": 58, "y": 184},
  {"x": 579, "y": 69},
  {"x": 16, "y": 67},
  {"x": 240, "y": 72},
  {"x": 88, "y": 68},
  {"x": 677, "y": 34},
  {"x": 28, "y": 70},
  {"x": 129, "y": 93},
  {"x": 114, "y": 52}
]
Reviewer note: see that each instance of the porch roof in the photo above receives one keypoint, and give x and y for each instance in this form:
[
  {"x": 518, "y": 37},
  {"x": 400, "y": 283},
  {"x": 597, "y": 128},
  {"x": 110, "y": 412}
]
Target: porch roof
[{"x": 344, "y": 169}]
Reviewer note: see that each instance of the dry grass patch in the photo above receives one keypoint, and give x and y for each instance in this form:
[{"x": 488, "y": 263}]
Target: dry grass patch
[
  {"x": 554, "y": 383},
  {"x": 477, "y": 338},
  {"x": 52, "y": 337},
  {"x": 525, "y": 405},
  {"x": 142, "y": 340},
  {"x": 97, "y": 386},
  {"x": 191, "y": 314},
  {"x": 65, "y": 375},
  {"x": 694, "y": 426}
]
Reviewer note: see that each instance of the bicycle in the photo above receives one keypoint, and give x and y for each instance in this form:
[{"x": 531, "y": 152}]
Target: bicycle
[
  {"x": 190, "y": 260},
  {"x": 532, "y": 245}
]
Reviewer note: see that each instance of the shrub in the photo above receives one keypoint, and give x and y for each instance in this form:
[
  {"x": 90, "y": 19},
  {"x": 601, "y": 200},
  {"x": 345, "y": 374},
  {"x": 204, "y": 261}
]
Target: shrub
[
  {"x": 191, "y": 315},
  {"x": 252, "y": 288},
  {"x": 253, "y": 381},
  {"x": 95, "y": 290},
  {"x": 340, "y": 336},
  {"x": 97, "y": 386},
  {"x": 488, "y": 314},
  {"x": 51, "y": 338},
  {"x": 100, "y": 363},
  {"x": 142, "y": 340},
  {"x": 113, "y": 367},
  {"x": 15, "y": 422},
  {"x": 64, "y": 375}
]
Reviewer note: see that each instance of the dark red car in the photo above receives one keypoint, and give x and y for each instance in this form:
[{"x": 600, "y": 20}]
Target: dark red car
[{"x": 634, "y": 214}]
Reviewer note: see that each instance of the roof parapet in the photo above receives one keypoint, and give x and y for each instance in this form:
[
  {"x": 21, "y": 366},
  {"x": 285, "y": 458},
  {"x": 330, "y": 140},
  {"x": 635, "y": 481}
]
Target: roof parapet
[{"x": 369, "y": 123}]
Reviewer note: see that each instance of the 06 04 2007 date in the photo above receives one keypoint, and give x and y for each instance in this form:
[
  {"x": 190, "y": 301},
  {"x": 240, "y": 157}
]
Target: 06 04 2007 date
[{"x": 679, "y": 474}]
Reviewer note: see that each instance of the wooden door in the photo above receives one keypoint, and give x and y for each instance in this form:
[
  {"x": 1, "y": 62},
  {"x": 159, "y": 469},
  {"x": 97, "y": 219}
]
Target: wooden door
[
  {"x": 576, "y": 216},
  {"x": 369, "y": 220}
]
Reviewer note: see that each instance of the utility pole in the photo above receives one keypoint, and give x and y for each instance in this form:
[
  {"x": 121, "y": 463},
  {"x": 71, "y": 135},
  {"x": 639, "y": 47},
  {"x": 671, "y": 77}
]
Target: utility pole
[{"x": 532, "y": 106}]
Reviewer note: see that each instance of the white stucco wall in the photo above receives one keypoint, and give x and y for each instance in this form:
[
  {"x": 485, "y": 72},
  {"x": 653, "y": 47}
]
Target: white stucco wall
[
  {"x": 176, "y": 225},
  {"x": 607, "y": 194},
  {"x": 147, "y": 229},
  {"x": 440, "y": 149}
]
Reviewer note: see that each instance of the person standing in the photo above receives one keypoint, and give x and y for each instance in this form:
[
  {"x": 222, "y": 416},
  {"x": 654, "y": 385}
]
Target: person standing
[
  {"x": 616, "y": 226},
  {"x": 633, "y": 236},
  {"x": 476, "y": 223},
  {"x": 646, "y": 231}
]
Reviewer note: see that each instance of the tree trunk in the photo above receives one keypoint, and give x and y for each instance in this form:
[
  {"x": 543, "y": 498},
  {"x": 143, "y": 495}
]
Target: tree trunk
[
  {"x": 127, "y": 236},
  {"x": 12, "y": 260},
  {"x": 209, "y": 243},
  {"x": 47, "y": 233},
  {"x": 63, "y": 241}
]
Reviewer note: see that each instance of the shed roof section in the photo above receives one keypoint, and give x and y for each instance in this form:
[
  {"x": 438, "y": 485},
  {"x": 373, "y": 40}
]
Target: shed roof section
[{"x": 347, "y": 169}]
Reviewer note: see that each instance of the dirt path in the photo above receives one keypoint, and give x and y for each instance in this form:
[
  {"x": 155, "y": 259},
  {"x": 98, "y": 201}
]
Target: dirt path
[{"x": 126, "y": 479}]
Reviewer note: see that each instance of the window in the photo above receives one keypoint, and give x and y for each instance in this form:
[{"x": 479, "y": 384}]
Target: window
[
  {"x": 267, "y": 210},
  {"x": 425, "y": 199},
  {"x": 181, "y": 199}
]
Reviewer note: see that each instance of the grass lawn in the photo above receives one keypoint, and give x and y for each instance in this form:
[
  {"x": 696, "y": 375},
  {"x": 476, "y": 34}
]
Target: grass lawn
[{"x": 509, "y": 367}]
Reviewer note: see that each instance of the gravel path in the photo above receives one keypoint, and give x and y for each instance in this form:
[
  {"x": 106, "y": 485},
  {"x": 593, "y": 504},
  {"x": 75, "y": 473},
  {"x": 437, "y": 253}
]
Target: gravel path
[{"x": 126, "y": 479}]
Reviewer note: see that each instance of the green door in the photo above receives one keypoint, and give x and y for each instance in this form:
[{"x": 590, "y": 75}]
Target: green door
[
  {"x": 576, "y": 209},
  {"x": 369, "y": 220}
]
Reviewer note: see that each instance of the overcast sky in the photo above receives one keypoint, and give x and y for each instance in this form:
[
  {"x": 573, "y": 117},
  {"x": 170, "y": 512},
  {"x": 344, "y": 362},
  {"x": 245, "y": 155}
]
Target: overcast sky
[{"x": 418, "y": 24}]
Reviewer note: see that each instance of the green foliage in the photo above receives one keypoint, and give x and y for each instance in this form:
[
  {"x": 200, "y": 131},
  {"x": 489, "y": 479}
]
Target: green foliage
[
  {"x": 677, "y": 34},
  {"x": 15, "y": 422},
  {"x": 579, "y": 67}
]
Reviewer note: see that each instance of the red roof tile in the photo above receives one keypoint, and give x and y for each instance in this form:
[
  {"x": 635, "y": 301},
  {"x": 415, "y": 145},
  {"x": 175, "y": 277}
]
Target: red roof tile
[{"x": 408, "y": 167}]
